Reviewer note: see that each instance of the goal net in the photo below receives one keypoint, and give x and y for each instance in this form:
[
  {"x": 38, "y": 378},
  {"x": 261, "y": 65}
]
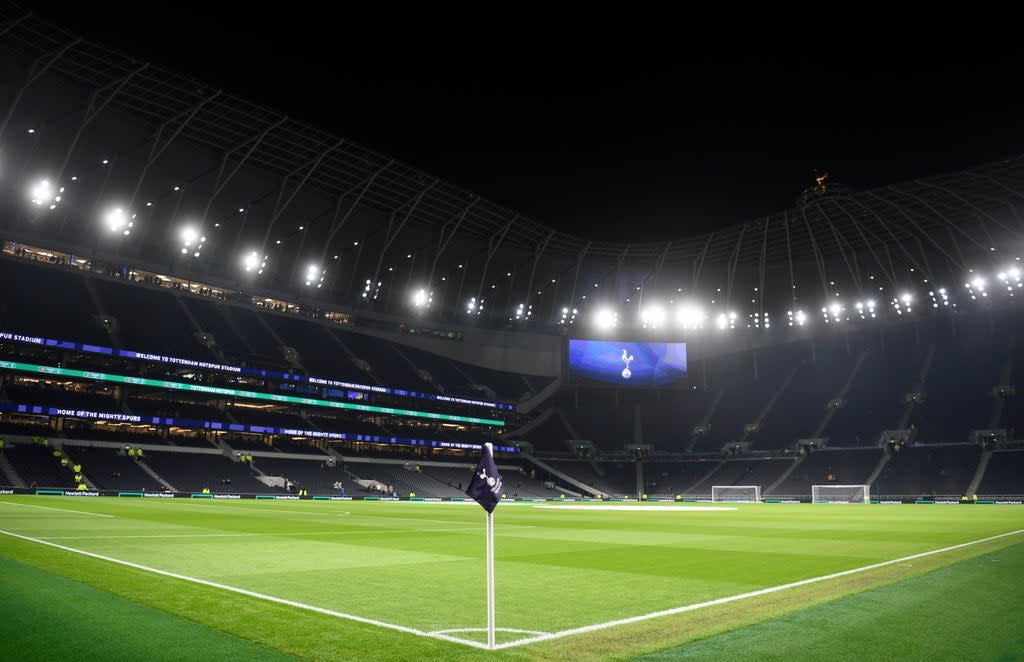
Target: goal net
[
  {"x": 841, "y": 493},
  {"x": 735, "y": 492}
]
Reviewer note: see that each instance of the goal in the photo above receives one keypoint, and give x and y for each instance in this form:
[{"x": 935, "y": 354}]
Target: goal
[
  {"x": 735, "y": 492},
  {"x": 841, "y": 493}
]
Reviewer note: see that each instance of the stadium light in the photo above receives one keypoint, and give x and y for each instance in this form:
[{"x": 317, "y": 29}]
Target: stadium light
[
  {"x": 369, "y": 288},
  {"x": 522, "y": 312},
  {"x": 866, "y": 309},
  {"x": 191, "y": 241},
  {"x": 605, "y": 319},
  {"x": 568, "y": 315},
  {"x": 690, "y": 316},
  {"x": 653, "y": 316},
  {"x": 118, "y": 220},
  {"x": 798, "y": 318},
  {"x": 976, "y": 286},
  {"x": 44, "y": 194},
  {"x": 474, "y": 307},
  {"x": 833, "y": 312},
  {"x": 421, "y": 298},
  {"x": 315, "y": 276},
  {"x": 254, "y": 262},
  {"x": 939, "y": 297},
  {"x": 1011, "y": 279},
  {"x": 902, "y": 303},
  {"x": 726, "y": 321}
]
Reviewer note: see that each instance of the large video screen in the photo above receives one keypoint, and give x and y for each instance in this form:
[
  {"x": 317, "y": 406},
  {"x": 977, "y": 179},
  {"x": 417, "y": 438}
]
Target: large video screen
[{"x": 628, "y": 363}]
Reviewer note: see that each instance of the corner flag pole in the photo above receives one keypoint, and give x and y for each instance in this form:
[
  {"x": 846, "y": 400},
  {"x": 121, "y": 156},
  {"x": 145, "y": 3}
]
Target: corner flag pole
[
  {"x": 487, "y": 488},
  {"x": 490, "y": 568}
]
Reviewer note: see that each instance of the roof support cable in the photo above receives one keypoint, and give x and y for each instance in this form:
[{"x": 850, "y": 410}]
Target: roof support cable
[
  {"x": 929, "y": 236},
  {"x": 38, "y": 68},
  {"x": 818, "y": 259},
  {"x": 94, "y": 109}
]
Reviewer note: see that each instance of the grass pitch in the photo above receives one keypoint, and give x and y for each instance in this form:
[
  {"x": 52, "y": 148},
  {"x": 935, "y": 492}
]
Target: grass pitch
[{"x": 393, "y": 581}]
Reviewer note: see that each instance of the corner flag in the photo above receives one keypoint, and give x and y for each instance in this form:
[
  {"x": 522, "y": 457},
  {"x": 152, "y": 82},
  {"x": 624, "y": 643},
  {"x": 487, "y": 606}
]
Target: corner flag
[{"x": 486, "y": 487}]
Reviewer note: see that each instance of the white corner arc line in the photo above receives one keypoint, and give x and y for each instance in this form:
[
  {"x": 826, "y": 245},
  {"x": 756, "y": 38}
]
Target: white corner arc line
[
  {"x": 64, "y": 510},
  {"x": 253, "y": 594},
  {"x": 742, "y": 596}
]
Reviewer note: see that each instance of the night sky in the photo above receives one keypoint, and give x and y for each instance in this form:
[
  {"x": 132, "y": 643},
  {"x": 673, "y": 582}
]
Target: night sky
[{"x": 625, "y": 123}]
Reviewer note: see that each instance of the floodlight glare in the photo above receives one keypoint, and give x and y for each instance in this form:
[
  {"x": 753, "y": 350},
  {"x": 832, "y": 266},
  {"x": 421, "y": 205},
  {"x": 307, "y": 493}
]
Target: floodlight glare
[
  {"x": 690, "y": 316},
  {"x": 192, "y": 241},
  {"x": 906, "y": 298},
  {"x": 606, "y": 318},
  {"x": 420, "y": 298},
  {"x": 45, "y": 194},
  {"x": 254, "y": 262},
  {"x": 117, "y": 220},
  {"x": 653, "y": 316},
  {"x": 314, "y": 276}
]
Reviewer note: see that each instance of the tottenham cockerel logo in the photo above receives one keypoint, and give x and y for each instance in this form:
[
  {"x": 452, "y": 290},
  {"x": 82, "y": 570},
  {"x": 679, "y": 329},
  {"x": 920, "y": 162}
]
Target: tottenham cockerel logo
[
  {"x": 493, "y": 482},
  {"x": 627, "y": 358}
]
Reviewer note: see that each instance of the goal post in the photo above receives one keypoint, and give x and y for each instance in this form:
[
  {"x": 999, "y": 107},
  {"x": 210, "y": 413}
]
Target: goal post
[
  {"x": 736, "y": 493},
  {"x": 841, "y": 493}
]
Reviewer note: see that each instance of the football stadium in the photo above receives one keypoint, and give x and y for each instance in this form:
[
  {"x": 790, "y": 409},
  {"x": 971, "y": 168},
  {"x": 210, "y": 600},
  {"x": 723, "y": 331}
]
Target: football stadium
[{"x": 267, "y": 393}]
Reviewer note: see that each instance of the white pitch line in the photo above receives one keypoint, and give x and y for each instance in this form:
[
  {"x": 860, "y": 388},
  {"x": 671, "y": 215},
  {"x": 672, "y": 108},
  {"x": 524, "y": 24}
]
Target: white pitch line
[
  {"x": 268, "y": 535},
  {"x": 513, "y": 630},
  {"x": 64, "y": 510},
  {"x": 253, "y": 594},
  {"x": 743, "y": 596},
  {"x": 636, "y": 508}
]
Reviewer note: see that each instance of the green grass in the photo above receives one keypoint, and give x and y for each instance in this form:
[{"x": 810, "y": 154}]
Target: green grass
[
  {"x": 45, "y": 617},
  {"x": 968, "y": 611},
  {"x": 420, "y": 565}
]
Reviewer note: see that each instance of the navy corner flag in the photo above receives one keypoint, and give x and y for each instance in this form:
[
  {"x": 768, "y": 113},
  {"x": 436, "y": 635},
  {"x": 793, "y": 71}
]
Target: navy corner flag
[{"x": 486, "y": 487}]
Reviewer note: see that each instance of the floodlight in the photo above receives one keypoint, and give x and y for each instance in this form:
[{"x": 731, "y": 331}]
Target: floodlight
[
  {"x": 653, "y": 316},
  {"x": 192, "y": 240},
  {"x": 45, "y": 194},
  {"x": 254, "y": 262},
  {"x": 421, "y": 298},
  {"x": 118, "y": 220},
  {"x": 314, "y": 276},
  {"x": 690, "y": 316},
  {"x": 606, "y": 318}
]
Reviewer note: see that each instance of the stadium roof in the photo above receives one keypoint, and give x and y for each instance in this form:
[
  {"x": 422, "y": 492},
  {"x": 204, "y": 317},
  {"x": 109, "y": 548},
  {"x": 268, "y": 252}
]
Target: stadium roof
[{"x": 945, "y": 215}]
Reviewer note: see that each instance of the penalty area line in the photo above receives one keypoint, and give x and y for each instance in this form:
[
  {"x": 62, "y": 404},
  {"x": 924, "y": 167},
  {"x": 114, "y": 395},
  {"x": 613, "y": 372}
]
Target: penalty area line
[
  {"x": 254, "y": 594},
  {"x": 743, "y": 596}
]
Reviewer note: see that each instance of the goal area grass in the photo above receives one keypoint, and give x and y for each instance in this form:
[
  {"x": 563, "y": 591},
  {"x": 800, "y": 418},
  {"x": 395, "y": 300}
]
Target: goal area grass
[{"x": 272, "y": 580}]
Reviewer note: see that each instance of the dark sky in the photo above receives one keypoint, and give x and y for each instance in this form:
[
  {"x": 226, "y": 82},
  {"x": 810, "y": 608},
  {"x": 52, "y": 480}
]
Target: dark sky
[{"x": 625, "y": 122}]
